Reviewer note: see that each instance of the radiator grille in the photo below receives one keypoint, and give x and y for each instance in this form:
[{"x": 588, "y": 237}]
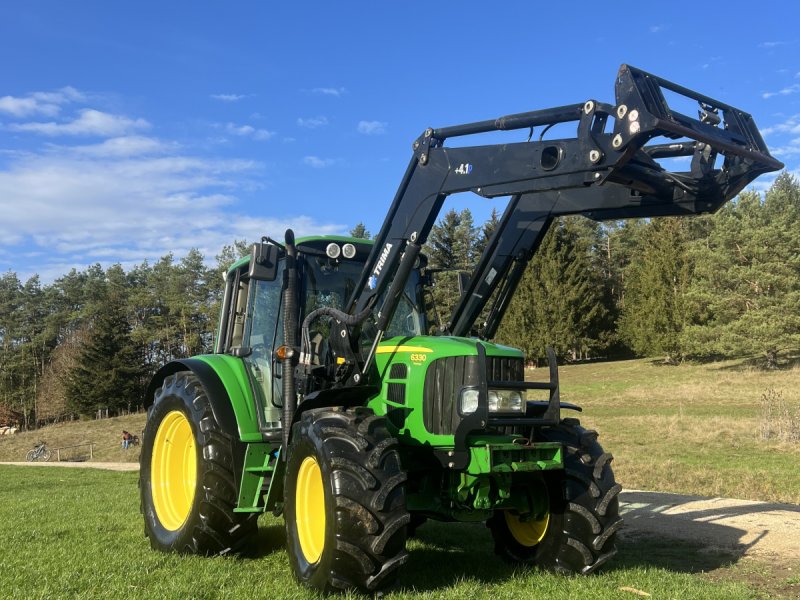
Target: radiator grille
[{"x": 446, "y": 376}]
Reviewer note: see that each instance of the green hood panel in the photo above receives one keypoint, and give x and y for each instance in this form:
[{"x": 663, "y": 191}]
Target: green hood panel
[
  {"x": 402, "y": 363},
  {"x": 420, "y": 350}
]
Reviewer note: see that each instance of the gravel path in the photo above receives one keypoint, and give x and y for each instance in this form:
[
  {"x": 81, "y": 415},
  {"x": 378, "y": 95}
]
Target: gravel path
[{"x": 741, "y": 526}]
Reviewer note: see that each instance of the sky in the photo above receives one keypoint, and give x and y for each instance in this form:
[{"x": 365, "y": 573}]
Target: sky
[{"x": 129, "y": 130}]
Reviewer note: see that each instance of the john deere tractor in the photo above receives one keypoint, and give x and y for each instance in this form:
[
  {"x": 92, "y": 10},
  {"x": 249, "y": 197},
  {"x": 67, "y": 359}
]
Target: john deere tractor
[{"x": 327, "y": 399}]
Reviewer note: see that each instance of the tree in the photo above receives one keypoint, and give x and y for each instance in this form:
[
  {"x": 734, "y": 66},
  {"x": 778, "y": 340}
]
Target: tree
[
  {"x": 746, "y": 294},
  {"x": 486, "y": 232},
  {"x": 657, "y": 281},
  {"x": 451, "y": 252},
  {"x": 560, "y": 300},
  {"x": 109, "y": 371},
  {"x": 360, "y": 231}
]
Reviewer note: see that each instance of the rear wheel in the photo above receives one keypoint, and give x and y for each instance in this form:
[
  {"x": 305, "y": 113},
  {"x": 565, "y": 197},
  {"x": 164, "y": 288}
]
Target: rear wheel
[
  {"x": 187, "y": 483},
  {"x": 577, "y": 532},
  {"x": 30, "y": 456},
  {"x": 344, "y": 501}
]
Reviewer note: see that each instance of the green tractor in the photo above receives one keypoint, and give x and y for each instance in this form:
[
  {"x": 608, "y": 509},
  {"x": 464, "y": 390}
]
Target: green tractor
[{"x": 328, "y": 400}]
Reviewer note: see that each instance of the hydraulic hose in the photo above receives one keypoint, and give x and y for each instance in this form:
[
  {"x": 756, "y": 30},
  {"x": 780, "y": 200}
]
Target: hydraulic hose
[{"x": 345, "y": 318}]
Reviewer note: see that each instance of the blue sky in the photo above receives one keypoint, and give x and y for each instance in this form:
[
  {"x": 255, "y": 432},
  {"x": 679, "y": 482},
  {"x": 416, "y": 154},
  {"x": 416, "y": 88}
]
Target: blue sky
[{"x": 129, "y": 130}]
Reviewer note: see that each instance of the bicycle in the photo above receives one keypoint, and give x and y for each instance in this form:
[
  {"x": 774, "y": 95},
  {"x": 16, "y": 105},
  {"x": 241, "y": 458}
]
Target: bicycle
[{"x": 39, "y": 452}]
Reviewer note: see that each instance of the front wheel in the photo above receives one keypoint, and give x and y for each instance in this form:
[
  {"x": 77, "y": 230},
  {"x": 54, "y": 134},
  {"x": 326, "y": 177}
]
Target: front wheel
[
  {"x": 576, "y": 533},
  {"x": 30, "y": 456},
  {"x": 345, "y": 509},
  {"x": 45, "y": 456},
  {"x": 187, "y": 484}
]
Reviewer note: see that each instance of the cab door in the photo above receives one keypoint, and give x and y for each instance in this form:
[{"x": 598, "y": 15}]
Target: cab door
[{"x": 262, "y": 334}]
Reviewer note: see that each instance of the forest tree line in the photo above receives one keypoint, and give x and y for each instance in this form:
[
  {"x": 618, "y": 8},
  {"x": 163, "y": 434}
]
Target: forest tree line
[{"x": 711, "y": 287}]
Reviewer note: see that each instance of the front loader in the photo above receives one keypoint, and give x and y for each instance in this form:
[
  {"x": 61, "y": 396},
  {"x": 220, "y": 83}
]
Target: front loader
[{"x": 326, "y": 400}]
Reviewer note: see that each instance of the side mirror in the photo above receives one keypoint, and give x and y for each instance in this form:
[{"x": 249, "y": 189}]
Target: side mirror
[{"x": 263, "y": 262}]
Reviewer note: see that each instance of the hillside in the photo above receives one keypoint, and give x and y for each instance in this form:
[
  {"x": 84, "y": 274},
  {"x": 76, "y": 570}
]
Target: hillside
[{"x": 105, "y": 434}]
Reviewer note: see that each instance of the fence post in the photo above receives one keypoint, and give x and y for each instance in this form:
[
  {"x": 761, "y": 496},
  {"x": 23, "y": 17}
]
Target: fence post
[
  {"x": 58, "y": 454},
  {"x": 91, "y": 451}
]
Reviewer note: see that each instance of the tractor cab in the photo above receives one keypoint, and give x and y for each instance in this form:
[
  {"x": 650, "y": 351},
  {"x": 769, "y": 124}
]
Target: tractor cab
[{"x": 252, "y": 319}]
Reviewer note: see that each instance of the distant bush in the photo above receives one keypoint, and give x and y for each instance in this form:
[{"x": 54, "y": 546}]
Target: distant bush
[{"x": 778, "y": 420}]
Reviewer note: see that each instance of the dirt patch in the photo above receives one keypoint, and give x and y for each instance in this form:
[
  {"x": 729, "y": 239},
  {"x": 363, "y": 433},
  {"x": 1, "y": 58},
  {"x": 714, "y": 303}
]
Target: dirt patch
[{"x": 743, "y": 527}]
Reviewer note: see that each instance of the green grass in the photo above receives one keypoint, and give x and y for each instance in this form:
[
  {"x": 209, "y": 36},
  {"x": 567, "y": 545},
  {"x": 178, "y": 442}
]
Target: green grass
[
  {"x": 693, "y": 428},
  {"x": 77, "y": 533}
]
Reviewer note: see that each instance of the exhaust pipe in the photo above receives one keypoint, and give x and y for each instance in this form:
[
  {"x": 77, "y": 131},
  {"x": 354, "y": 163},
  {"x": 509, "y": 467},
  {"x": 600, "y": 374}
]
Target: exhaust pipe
[{"x": 290, "y": 317}]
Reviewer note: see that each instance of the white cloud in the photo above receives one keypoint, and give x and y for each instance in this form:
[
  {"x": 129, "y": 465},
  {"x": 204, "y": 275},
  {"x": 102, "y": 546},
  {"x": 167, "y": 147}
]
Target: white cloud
[
  {"x": 312, "y": 122},
  {"x": 790, "y": 149},
  {"x": 330, "y": 91},
  {"x": 249, "y": 131},
  {"x": 90, "y": 122},
  {"x": 39, "y": 103},
  {"x": 774, "y": 44},
  {"x": 371, "y": 127},
  {"x": 318, "y": 163},
  {"x": 133, "y": 145},
  {"x": 228, "y": 97},
  {"x": 82, "y": 205},
  {"x": 788, "y": 90},
  {"x": 790, "y": 125},
  {"x": 657, "y": 28}
]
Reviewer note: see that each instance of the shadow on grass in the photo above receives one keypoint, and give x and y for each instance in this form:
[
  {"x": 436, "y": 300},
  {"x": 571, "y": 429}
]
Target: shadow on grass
[
  {"x": 754, "y": 363},
  {"x": 270, "y": 539},
  {"x": 443, "y": 554}
]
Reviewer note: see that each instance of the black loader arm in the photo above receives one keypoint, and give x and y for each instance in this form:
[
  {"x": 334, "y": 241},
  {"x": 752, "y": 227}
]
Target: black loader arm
[{"x": 609, "y": 170}]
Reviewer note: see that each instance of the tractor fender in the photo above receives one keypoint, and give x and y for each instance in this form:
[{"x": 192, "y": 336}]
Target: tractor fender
[{"x": 215, "y": 391}]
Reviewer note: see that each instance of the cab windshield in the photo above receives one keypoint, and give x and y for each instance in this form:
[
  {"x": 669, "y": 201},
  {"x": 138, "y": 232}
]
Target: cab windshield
[{"x": 330, "y": 282}]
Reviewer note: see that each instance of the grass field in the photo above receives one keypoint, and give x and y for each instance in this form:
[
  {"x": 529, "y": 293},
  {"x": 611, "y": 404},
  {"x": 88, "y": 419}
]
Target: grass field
[
  {"x": 687, "y": 429},
  {"x": 77, "y": 533},
  {"x": 692, "y": 429}
]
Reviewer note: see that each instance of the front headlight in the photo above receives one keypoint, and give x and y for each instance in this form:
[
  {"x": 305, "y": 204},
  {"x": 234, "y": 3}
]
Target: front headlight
[
  {"x": 469, "y": 401},
  {"x": 504, "y": 401}
]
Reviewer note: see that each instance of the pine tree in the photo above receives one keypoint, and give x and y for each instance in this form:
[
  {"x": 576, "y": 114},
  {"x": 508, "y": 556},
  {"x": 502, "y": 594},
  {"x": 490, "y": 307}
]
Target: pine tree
[
  {"x": 360, "y": 231},
  {"x": 560, "y": 299},
  {"x": 486, "y": 232},
  {"x": 451, "y": 252},
  {"x": 746, "y": 295},
  {"x": 109, "y": 373},
  {"x": 657, "y": 281}
]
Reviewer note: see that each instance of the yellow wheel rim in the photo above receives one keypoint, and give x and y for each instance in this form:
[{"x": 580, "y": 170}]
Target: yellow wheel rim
[
  {"x": 173, "y": 470},
  {"x": 527, "y": 533},
  {"x": 310, "y": 509}
]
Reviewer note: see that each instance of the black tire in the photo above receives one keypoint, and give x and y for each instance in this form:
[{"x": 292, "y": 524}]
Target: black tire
[
  {"x": 30, "y": 456},
  {"x": 210, "y": 525},
  {"x": 361, "y": 542},
  {"x": 46, "y": 455},
  {"x": 583, "y": 513}
]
